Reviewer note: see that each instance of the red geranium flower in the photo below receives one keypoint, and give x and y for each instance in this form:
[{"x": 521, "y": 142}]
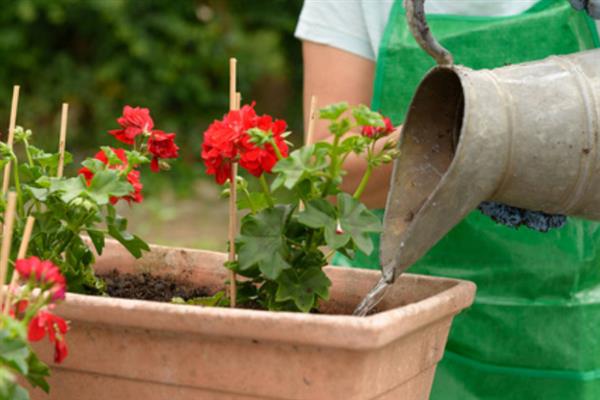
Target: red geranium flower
[
  {"x": 227, "y": 141},
  {"x": 161, "y": 145},
  {"x": 45, "y": 273},
  {"x": 56, "y": 328},
  {"x": 134, "y": 122},
  {"x": 378, "y": 131},
  {"x": 258, "y": 159},
  {"x": 133, "y": 177}
]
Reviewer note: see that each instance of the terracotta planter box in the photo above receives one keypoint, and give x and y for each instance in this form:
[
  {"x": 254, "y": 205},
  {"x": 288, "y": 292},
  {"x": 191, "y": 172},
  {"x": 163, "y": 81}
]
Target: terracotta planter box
[{"x": 131, "y": 349}]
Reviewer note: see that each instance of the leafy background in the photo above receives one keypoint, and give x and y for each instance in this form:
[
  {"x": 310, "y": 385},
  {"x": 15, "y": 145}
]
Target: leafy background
[{"x": 170, "y": 56}]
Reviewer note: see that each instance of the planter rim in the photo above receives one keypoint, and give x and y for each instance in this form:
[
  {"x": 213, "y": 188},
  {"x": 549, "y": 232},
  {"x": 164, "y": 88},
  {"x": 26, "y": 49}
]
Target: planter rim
[{"x": 338, "y": 331}]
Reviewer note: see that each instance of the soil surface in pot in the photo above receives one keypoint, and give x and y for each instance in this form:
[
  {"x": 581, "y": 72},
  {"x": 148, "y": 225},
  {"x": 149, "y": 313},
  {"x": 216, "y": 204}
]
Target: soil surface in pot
[
  {"x": 148, "y": 287},
  {"x": 145, "y": 286}
]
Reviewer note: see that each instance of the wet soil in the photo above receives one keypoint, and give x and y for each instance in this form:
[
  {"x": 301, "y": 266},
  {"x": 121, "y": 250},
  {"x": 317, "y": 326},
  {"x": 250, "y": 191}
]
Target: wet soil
[
  {"x": 145, "y": 286},
  {"x": 148, "y": 287}
]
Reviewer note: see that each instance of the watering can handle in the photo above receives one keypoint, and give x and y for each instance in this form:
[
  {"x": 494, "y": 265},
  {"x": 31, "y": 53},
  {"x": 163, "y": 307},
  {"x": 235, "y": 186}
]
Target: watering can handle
[{"x": 415, "y": 16}]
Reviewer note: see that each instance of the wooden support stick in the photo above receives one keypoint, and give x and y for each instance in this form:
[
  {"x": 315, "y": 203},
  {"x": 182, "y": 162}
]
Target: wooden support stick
[
  {"x": 11, "y": 136},
  {"x": 63, "y": 140},
  {"x": 234, "y": 97},
  {"x": 9, "y": 219},
  {"x": 238, "y": 100},
  {"x": 20, "y": 255},
  {"x": 232, "y": 83},
  {"x": 232, "y": 233},
  {"x": 310, "y": 131},
  {"x": 312, "y": 117}
]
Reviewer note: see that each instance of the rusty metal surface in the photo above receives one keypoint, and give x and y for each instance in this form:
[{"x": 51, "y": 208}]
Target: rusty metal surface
[
  {"x": 528, "y": 136},
  {"x": 415, "y": 16}
]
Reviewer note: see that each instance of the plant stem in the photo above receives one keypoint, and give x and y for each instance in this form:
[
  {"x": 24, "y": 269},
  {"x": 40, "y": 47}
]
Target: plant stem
[
  {"x": 18, "y": 187},
  {"x": 365, "y": 179},
  {"x": 27, "y": 152},
  {"x": 333, "y": 165},
  {"x": 363, "y": 182},
  {"x": 265, "y": 188},
  {"x": 277, "y": 151},
  {"x": 250, "y": 203}
]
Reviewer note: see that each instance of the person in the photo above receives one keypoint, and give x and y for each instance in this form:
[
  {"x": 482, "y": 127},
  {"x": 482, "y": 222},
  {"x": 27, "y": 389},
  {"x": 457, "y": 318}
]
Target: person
[{"x": 534, "y": 329}]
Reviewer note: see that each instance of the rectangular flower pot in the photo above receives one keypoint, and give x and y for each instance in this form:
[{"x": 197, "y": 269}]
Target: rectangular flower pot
[{"x": 132, "y": 349}]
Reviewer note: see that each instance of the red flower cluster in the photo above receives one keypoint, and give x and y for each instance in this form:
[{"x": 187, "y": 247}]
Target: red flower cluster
[
  {"x": 133, "y": 177},
  {"x": 227, "y": 141},
  {"x": 161, "y": 145},
  {"x": 136, "y": 121},
  {"x": 377, "y": 131},
  {"x": 46, "y": 274},
  {"x": 56, "y": 328}
]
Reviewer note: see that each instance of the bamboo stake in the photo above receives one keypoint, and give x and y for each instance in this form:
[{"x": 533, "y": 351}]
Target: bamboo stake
[
  {"x": 9, "y": 219},
  {"x": 63, "y": 140},
  {"x": 312, "y": 116},
  {"x": 238, "y": 100},
  {"x": 310, "y": 131},
  {"x": 20, "y": 255},
  {"x": 232, "y": 83},
  {"x": 234, "y": 98},
  {"x": 11, "y": 136}
]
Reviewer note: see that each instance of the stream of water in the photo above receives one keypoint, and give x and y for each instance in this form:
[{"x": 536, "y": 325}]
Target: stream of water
[{"x": 372, "y": 298}]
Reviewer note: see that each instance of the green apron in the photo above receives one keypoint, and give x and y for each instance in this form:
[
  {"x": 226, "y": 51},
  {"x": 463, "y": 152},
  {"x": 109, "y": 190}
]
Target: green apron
[{"x": 534, "y": 329}]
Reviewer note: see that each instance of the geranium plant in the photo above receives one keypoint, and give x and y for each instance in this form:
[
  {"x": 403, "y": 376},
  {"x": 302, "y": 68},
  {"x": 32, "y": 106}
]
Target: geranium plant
[
  {"x": 65, "y": 208},
  {"x": 299, "y": 215},
  {"x": 26, "y": 318}
]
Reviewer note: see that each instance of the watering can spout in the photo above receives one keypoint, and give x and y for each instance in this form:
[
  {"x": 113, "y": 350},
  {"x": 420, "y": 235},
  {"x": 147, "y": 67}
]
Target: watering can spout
[
  {"x": 526, "y": 135},
  {"x": 443, "y": 172}
]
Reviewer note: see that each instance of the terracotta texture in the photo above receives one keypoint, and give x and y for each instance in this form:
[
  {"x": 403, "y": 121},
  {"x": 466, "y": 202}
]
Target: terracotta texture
[{"x": 131, "y": 349}]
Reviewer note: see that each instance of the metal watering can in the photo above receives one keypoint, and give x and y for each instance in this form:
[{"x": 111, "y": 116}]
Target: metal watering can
[{"x": 527, "y": 135}]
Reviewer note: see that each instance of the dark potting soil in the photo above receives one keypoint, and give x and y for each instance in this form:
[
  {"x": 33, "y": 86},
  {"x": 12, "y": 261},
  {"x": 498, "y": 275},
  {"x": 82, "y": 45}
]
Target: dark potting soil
[
  {"x": 145, "y": 286},
  {"x": 148, "y": 287}
]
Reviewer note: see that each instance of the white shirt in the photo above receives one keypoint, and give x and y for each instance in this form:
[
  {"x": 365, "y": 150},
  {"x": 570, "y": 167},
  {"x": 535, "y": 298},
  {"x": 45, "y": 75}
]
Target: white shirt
[{"x": 357, "y": 26}]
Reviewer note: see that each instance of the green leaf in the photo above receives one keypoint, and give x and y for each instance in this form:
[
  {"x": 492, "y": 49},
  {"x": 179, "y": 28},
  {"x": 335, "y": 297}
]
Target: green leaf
[
  {"x": 14, "y": 349},
  {"x": 136, "y": 158},
  {"x": 320, "y": 213},
  {"x": 338, "y": 128},
  {"x": 257, "y": 202},
  {"x": 28, "y": 173},
  {"x": 298, "y": 166},
  {"x": 209, "y": 301},
  {"x": 111, "y": 156},
  {"x": 358, "y": 221},
  {"x": 117, "y": 226},
  {"x": 69, "y": 188},
  {"x": 132, "y": 243},
  {"x": 93, "y": 164},
  {"x": 365, "y": 117},
  {"x": 333, "y": 111},
  {"x": 38, "y": 372},
  {"x": 108, "y": 183},
  {"x": 303, "y": 288},
  {"x": 39, "y": 194},
  {"x": 262, "y": 242},
  {"x": 9, "y": 389},
  {"x": 49, "y": 161},
  {"x": 97, "y": 238},
  {"x": 355, "y": 221}
]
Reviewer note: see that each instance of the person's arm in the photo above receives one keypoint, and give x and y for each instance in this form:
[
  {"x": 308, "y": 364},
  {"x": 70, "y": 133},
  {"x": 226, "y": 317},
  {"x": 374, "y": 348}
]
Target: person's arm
[{"x": 335, "y": 75}]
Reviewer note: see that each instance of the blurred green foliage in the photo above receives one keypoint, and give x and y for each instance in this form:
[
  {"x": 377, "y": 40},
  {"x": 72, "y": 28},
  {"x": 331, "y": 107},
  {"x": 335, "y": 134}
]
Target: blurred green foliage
[{"x": 168, "y": 55}]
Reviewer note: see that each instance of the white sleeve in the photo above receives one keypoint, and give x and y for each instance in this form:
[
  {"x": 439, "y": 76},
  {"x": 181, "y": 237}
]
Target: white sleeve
[{"x": 336, "y": 23}]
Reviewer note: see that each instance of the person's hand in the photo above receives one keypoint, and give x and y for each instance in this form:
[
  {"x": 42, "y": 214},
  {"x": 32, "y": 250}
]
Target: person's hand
[{"x": 592, "y": 7}]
